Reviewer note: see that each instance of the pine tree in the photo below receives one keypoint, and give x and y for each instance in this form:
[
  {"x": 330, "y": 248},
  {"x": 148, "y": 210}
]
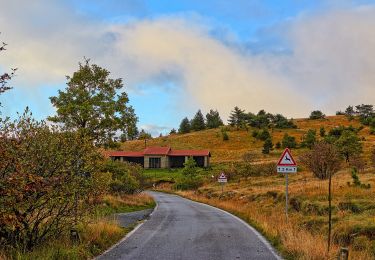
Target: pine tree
[
  {"x": 197, "y": 123},
  {"x": 184, "y": 126},
  {"x": 237, "y": 117},
  {"x": 267, "y": 146},
  {"x": 213, "y": 119}
]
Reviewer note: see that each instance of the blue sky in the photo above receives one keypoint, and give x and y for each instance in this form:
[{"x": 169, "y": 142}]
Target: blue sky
[{"x": 176, "y": 57}]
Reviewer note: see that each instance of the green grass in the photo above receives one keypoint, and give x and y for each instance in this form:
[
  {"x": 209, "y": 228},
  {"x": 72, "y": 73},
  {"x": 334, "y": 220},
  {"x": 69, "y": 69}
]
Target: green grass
[{"x": 157, "y": 175}]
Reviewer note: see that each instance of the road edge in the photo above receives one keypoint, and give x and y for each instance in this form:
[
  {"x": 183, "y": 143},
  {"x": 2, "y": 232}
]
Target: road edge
[{"x": 128, "y": 234}]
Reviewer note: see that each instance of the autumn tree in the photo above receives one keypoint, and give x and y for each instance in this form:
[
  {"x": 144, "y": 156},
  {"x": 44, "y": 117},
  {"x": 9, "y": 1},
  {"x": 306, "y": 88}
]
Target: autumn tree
[
  {"x": 92, "y": 105},
  {"x": 324, "y": 161},
  {"x": 184, "y": 126},
  {"x": 213, "y": 119},
  {"x": 197, "y": 123},
  {"x": 47, "y": 178}
]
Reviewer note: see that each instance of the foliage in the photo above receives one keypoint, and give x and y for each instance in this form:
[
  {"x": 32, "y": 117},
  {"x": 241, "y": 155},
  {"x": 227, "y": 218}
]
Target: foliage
[
  {"x": 5, "y": 77},
  {"x": 288, "y": 141},
  {"x": 263, "y": 135},
  {"x": 322, "y": 131},
  {"x": 349, "y": 112},
  {"x": 188, "y": 183},
  {"x": 91, "y": 105},
  {"x": 46, "y": 179},
  {"x": 237, "y": 118},
  {"x": 365, "y": 112},
  {"x": 279, "y": 121},
  {"x": 173, "y": 131},
  {"x": 184, "y": 126},
  {"x": 213, "y": 119},
  {"x": 356, "y": 180},
  {"x": 324, "y": 161},
  {"x": 267, "y": 146},
  {"x": 278, "y": 145},
  {"x": 126, "y": 177},
  {"x": 317, "y": 114},
  {"x": 348, "y": 144},
  {"x": 197, "y": 123},
  {"x": 309, "y": 139},
  {"x": 190, "y": 167},
  {"x": 144, "y": 135}
]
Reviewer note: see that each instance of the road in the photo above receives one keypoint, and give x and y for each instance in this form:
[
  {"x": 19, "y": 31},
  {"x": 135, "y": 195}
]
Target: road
[{"x": 182, "y": 229}]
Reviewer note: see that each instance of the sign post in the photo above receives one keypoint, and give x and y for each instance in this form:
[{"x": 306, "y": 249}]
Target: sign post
[
  {"x": 222, "y": 179},
  {"x": 286, "y": 165}
]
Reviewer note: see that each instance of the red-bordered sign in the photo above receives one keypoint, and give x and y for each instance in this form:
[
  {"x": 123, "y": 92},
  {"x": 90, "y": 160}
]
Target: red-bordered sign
[{"x": 286, "y": 159}]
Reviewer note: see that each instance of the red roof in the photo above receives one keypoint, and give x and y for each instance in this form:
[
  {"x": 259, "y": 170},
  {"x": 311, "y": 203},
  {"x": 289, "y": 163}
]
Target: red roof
[
  {"x": 156, "y": 151},
  {"x": 124, "y": 154},
  {"x": 189, "y": 153}
]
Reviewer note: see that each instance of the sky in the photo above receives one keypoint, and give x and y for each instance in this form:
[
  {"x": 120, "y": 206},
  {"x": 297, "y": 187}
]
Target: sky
[{"x": 175, "y": 57}]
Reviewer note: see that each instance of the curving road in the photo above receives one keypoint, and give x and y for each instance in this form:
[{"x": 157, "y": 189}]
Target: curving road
[{"x": 182, "y": 229}]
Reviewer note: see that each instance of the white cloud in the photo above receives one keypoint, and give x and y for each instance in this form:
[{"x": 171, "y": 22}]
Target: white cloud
[{"x": 331, "y": 64}]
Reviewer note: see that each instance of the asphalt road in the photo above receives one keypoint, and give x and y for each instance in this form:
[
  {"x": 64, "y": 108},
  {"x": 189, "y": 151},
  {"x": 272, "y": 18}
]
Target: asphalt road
[{"x": 187, "y": 230}]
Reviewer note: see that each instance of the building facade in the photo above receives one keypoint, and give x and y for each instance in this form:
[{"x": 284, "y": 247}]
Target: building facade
[{"x": 162, "y": 157}]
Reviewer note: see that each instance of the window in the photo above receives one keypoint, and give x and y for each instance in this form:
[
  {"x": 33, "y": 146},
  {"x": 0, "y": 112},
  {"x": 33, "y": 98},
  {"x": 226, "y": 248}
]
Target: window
[{"x": 154, "y": 162}]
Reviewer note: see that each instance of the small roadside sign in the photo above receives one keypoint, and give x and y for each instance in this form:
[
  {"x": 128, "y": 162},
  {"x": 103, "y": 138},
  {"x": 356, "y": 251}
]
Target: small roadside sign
[
  {"x": 286, "y": 165},
  {"x": 222, "y": 178}
]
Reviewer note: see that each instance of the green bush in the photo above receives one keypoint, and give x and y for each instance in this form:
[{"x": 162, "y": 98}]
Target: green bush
[
  {"x": 225, "y": 136},
  {"x": 126, "y": 177}
]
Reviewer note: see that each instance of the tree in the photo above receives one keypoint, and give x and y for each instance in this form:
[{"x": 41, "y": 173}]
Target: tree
[
  {"x": 184, "y": 126},
  {"x": 237, "y": 118},
  {"x": 348, "y": 144},
  {"x": 267, "y": 146},
  {"x": 309, "y": 139},
  {"x": 317, "y": 114},
  {"x": 264, "y": 134},
  {"x": 173, "y": 131},
  {"x": 349, "y": 112},
  {"x": 324, "y": 161},
  {"x": 143, "y": 135},
  {"x": 282, "y": 122},
  {"x": 47, "y": 178},
  {"x": 288, "y": 141},
  {"x": 190, "y": 167},
  {"x": 197, "y": 123},
  {"x": 213, "y": 119},
  {"x": 91, "y": 105},
  {"x": 5, "y": 77}
]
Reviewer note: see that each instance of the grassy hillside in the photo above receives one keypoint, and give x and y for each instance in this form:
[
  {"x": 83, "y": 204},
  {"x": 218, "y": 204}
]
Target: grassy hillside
[
  {"x": 241, "y": 141},
  {"x": 260, "y": 199}
]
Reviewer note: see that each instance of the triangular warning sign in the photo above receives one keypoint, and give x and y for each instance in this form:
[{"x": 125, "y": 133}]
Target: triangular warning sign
[
  {"x": 222, "y": 176},
  {"x": 286, "y": 159}
]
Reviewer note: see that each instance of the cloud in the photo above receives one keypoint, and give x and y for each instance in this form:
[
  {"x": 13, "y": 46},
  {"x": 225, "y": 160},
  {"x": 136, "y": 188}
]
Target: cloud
[
  {"x": 329, "y": 66},
  {"x": 155, "y": 130}
]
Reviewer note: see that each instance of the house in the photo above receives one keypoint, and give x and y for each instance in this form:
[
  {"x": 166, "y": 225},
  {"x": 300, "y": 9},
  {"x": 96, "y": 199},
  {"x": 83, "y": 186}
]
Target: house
[{"x": 162, "y": 157}]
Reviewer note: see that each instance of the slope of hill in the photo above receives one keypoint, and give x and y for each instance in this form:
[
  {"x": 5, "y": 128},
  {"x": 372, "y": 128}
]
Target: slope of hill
[{"x": 241, "y": 141}]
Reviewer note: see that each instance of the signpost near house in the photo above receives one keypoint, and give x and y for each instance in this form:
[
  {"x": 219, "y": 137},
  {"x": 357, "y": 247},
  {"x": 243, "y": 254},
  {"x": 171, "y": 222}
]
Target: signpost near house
[
  {"x": 222, "y": 179},
  {"x": 286, "y": 165}
]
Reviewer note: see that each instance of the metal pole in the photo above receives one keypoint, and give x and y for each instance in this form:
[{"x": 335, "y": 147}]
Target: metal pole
[
  {"x": 286, "y": 196},
  {"x": 222, "y": 188}
]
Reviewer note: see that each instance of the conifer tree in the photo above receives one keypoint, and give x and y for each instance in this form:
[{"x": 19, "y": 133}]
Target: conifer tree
[
  {"x": 237, "y": 117},
  {"x": 184, "y": 126},
  {"x": 197, "y": 123},
  {"x": 213, "y": 119}
]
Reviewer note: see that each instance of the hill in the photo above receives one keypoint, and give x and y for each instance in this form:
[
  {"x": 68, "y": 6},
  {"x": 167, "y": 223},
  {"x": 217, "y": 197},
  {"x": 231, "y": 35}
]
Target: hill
[{"x": 241, "y": 141}]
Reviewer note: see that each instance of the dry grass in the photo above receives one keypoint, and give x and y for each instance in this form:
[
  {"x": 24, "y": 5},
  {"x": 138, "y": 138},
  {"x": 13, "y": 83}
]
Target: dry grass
[
  {"x": 241, "y": 141},
  {"x": 260, "y": 201}
]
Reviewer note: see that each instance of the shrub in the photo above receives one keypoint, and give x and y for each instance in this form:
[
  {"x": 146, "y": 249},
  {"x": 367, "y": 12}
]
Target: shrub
[
  {"x": 47, "y": 180},
  {"x": 289, "y": 141},
  {"x": 317, "y": 114},
  {"x": 188, "y": 183},
  {"x": 126, "y": 177},
  {"x": 225, "y": 136}
]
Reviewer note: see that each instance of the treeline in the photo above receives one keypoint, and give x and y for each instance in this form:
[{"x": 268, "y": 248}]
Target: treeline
[
  {"x": 365, "y": 113},
  {"x": 238, "y": 119}
]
